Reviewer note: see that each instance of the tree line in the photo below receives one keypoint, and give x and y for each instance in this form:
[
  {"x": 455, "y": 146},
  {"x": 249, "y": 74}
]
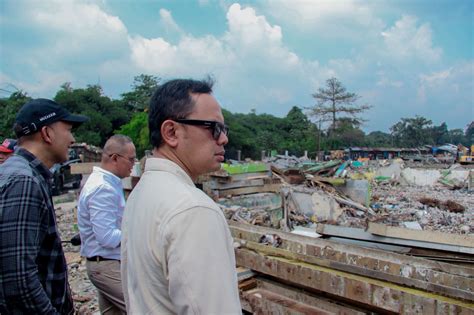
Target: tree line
[{"x": 334, "y": 122}]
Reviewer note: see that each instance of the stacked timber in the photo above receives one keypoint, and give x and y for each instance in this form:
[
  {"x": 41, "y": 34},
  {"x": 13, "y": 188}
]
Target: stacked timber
[{"x": 316, "y": 276}]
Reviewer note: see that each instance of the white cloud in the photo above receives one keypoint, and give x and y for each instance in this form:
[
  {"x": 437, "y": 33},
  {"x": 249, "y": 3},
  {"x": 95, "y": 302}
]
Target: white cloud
[
  {"x": 455, "y": 84},
  {"x": 191, "y": 56},
  {"x": 168, "y": 22},
  {"x": 74, "y": 18},
  {"x": 72, "y": 40},
  {"x": 250, "y": 45},
  {"x": 203, "y": 2},
  {"x": 385, "y": 81},
  {"x": 405, "y": 40},
  {"x": 249, "y": 29},
  {"x": 45, "y": 84},
  {"x": 326, "y": 18},
  {"x": 80, "y": 30},
  {"x": 436, "y": 77}
]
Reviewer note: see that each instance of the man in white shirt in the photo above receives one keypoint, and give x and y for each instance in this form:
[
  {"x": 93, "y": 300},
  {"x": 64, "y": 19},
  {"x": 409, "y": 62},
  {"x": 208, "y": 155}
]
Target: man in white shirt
[
  {"x": 100, "y": 210},
  {"x": 177, "y": 253}
]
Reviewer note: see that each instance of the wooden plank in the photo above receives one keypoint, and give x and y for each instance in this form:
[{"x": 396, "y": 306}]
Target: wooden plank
[
  {"x": 83, "y": 168},
  {"x": 382, "y": 295},
  {"x": 360, "y": 234},
  {"x": 335, "y": 181},
  {"x": 424, "y": 236},
  {"x": 233, "y": 184},
  {"x": 260, "y": 301},
  {"x": 302, "y": 244},
  {"x": 387, "y": 247},
  {"x": 250, "y": 190},
  {"x": 306, "y": 297},
  {"x": 443, "y": 278},
  {"x": 463, "y": 293},
  {"x": 354, "y": 204}
]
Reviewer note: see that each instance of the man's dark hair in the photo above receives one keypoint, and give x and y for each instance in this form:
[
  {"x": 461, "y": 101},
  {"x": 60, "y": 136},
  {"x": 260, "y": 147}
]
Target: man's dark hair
[{"x": 172, "y": 100}]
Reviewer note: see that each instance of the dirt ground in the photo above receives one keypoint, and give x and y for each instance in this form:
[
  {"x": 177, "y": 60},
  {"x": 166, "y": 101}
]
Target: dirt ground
[{"x": 84, "y": 293}]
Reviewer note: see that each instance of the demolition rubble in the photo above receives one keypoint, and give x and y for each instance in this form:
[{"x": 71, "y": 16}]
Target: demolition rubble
[
  {"x": 338, "y": 236},
  {"x": 354, "y": 194}
]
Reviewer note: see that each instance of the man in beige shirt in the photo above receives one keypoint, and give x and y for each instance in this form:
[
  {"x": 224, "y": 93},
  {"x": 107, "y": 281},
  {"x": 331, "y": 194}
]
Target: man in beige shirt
[{"x": 177, "y": 253}]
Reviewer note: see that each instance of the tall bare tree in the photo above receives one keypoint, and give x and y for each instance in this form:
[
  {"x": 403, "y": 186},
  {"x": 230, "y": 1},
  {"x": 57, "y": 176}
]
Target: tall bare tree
[{"x": 334, "y": 101}]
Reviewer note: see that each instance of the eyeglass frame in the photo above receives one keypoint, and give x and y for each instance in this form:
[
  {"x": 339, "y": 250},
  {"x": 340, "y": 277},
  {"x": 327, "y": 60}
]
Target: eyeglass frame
[
  {"x": 122, "y": 156},
  {"x": 216, "y": 127}
]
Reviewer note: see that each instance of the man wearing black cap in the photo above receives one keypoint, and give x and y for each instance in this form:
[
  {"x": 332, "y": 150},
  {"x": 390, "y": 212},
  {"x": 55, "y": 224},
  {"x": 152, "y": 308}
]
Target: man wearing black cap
[{"x": 33, "y": 269}]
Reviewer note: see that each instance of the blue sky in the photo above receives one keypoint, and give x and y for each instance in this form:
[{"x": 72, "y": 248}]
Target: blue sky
[{"x": 403, "y": 57}]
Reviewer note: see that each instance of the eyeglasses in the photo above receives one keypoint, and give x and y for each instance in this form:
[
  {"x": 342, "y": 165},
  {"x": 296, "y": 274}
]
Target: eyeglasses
[
  {"x": 216, "y": 127},
  {"x": 131, "y": 159}
]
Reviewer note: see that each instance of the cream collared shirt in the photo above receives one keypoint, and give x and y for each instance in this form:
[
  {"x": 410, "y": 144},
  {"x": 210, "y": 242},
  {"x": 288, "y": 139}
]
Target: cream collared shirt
[{"x": 177, "y": 253}]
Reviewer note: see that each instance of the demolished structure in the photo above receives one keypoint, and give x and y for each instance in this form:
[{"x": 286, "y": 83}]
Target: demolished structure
[{"x": 350, "y": 237}]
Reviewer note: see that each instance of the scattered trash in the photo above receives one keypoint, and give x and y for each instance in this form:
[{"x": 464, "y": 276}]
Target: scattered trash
[
  {"x": 353, "y": 193},
  {"x": 271, "y": 239},
  {"x": 453, "y": 206}
]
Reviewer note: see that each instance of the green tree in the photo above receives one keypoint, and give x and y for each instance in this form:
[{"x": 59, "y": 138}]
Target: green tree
[
  {"x": 333, "y": 101},
  {"x": 10, "y": 107},
  {"x": 412, "y": 132},
  {"x": 469, "y": 135},
  {"x": 456, "y": 136},
  {"x": 440, "y": 134},
  {"x": 143, "y": 87},
  {"x": 378, "y": 139},
  {"x": 346, "y": 134},
  {"x": 137, "y": 130},
  {"x": 105, "y": 115},
  {"x": 301, "y": 132}
]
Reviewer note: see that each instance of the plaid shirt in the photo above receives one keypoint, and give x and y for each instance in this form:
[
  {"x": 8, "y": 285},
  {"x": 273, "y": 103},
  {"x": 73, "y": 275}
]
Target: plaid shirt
[{"x": 33, "y": 269}]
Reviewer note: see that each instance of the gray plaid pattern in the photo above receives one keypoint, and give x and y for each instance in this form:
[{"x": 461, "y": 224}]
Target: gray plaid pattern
[{"x": 33, "y": 270}]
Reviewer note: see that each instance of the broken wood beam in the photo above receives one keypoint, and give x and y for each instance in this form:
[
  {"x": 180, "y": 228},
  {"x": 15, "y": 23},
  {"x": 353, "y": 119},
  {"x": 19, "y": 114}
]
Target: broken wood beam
[
  {"x": 275, "y": 188},
  {"x": 270, "y": 297},
  {"x": 383, "y": 295},
  {"x": 354, "y": 204},
  {"x": 441, "y": 278},
  {"x": 213, "y": 184},
  {"x": 361, "y": 234},
  {"x": 423, "y": 235}
]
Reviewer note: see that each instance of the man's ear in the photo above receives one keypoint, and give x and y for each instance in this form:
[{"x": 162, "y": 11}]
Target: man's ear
[
  {"x": 169, "y": 133},
  {"x": 46, "y": 134}
]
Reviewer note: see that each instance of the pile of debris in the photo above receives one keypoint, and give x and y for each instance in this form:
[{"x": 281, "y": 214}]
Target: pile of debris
[
  {"x": 83, "y": 291},
  {"x": 362, "y": 234}
]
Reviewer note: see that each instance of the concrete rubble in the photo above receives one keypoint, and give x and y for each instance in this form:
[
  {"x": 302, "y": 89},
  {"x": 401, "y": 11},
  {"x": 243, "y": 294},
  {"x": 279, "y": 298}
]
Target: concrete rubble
[{"x": 389, "y": 192}]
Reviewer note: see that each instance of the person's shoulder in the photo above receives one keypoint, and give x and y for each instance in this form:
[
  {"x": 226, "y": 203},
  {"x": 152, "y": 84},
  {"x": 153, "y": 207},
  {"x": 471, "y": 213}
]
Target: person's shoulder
[
  {"x": 16, "y": 166},
  {"x": 196, "y": 200},
  {"x": 96, "y": 184}
]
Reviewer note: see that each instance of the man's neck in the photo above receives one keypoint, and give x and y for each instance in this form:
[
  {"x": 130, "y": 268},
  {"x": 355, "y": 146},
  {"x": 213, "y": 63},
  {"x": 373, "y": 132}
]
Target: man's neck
[
  {"x": 165, "y": 153},
  {"x": 39, "y": 152}
]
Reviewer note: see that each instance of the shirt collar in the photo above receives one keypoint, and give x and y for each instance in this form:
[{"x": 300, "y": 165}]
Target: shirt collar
[
  {"x": 159, "y": 164},
  {"x": 34, "y": 162},
  {"x": 106, "y": 173}
]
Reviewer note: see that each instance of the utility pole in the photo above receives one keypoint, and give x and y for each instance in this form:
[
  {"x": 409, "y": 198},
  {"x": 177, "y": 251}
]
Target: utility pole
[{"x": 319, "y": 138}]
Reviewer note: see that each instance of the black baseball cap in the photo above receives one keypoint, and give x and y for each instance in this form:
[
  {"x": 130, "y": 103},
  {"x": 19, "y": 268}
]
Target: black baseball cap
[{"x": 42, "y": 112}]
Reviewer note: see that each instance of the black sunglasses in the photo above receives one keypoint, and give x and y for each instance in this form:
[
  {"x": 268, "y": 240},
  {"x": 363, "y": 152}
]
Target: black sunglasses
[{"x": 216, "y": 127}]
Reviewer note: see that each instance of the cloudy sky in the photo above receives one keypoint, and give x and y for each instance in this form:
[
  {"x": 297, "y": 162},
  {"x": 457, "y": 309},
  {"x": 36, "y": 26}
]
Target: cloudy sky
[{"x": 404, "y": 57}]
